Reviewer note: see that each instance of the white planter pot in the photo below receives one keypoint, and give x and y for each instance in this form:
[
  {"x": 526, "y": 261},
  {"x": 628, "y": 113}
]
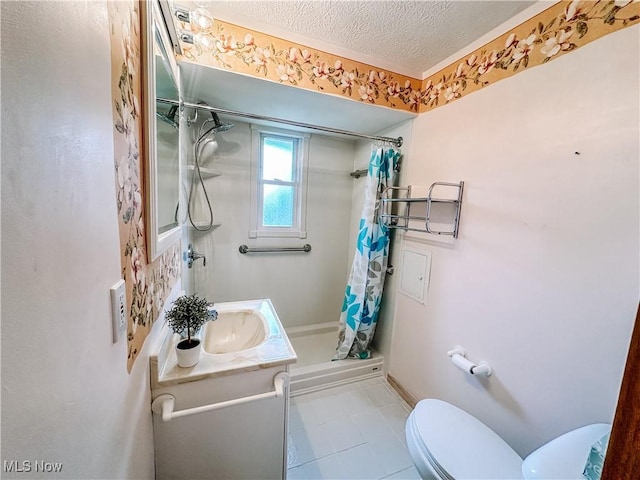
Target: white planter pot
[{"x": 188, "y": 357}]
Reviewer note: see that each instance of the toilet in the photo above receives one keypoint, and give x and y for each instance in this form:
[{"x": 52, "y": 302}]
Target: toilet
[{"x": 446, "y": 443}]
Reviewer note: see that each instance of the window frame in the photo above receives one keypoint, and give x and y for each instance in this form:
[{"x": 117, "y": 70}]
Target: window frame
[{"x": 299, "y": 184}]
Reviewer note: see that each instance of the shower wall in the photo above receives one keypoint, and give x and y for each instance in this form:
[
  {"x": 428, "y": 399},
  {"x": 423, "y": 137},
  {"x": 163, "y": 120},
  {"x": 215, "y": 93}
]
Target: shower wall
[
  {"x": 167, "y": 166},
  {"x": 305, "y": 288}
]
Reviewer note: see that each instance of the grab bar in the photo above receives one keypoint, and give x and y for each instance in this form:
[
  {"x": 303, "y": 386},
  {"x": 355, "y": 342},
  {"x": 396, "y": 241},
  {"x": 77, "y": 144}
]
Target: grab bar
[
  {"x": 244, "y": 249},
  {"x": 164, "y": 404}
]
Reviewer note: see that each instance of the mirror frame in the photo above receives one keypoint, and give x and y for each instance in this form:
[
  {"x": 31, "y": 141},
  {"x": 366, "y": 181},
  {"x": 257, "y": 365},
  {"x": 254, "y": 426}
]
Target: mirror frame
[{"x": 152, "y": 21}]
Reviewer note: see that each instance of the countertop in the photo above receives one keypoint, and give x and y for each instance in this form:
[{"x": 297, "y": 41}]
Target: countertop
[{"x": 275, "y": 350}]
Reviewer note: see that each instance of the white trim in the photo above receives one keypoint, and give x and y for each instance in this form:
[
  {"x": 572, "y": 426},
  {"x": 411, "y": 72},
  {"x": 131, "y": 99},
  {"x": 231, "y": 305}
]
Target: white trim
[
  {"x": 157, "y": 243},
  {"x": 300, "y": 202}
]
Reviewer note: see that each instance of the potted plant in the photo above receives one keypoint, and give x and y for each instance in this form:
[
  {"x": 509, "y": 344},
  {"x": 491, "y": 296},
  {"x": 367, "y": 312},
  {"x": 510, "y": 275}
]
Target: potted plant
[{"x": 186, "y": 316}]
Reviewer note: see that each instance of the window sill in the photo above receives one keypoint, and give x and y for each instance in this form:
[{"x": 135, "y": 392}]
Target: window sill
[{"x": 277, "y": 234}]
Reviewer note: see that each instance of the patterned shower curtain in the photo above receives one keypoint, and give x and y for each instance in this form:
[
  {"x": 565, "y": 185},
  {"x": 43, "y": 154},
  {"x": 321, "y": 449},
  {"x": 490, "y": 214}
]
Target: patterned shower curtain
[{"x": 364, "y": 289}]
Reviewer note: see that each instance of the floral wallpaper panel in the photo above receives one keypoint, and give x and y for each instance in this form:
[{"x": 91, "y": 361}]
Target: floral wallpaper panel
[
  {"x": 560, "y": 29},
  {"x": 147, "y": 283}
]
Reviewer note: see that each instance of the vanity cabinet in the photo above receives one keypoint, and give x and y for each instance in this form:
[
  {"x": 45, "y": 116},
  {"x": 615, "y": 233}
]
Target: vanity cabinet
[
  {"x": 247, "y": 441},
  {"x": 227, "y": 416}
]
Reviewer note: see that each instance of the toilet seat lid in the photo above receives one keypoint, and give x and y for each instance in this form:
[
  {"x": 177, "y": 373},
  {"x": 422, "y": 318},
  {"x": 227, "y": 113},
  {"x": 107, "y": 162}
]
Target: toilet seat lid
[{"x": 461, "y": 446}]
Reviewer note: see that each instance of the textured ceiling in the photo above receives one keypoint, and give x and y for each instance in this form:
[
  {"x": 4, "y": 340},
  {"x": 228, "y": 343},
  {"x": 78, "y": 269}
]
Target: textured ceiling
[{"x": 407, "y": 37}]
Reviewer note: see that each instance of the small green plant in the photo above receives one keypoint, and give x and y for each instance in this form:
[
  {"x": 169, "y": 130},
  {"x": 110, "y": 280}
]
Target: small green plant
[{"x": 188, "y": 314}]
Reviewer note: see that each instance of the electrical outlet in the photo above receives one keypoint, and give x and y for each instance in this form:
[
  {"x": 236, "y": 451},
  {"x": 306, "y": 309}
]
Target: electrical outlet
[{"x": 118, "y": 309}]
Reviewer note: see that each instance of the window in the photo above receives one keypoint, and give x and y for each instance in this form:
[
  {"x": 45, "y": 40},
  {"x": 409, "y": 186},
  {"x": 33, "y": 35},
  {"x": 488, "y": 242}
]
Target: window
[{"x": 279, "y": 180}]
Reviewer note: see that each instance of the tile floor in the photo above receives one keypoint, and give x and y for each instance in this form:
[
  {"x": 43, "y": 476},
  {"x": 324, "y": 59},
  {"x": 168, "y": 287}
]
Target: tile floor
[{"x": 354, "y": 431}]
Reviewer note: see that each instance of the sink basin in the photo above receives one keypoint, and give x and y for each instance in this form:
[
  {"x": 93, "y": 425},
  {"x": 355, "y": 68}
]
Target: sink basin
[
  {"x": 234, "y": 331},
  {"x": 246, "y": 336}
]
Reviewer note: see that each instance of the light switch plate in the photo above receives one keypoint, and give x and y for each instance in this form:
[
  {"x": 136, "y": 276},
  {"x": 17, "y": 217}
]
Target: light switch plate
[{"x": 118, "y": 309}]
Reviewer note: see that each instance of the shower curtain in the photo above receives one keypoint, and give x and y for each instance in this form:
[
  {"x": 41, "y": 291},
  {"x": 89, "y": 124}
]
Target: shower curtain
[{"x": 366, "y": 281}]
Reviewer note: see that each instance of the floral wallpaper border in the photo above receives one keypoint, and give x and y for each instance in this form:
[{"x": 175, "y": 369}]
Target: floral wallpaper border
[
  {"x": 552, "y": 33},
  {"x": 235, "y": 48},
  {"x": 147, "y": 283},
  {"x": 562, "y": 28}
]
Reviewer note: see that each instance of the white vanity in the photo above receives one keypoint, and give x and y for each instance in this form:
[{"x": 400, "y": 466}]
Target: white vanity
[{"x": 226, "y": 417}]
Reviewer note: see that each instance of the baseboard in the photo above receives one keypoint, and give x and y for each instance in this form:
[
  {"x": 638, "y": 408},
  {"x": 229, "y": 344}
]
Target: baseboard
[{"x": 403, "y": 392}]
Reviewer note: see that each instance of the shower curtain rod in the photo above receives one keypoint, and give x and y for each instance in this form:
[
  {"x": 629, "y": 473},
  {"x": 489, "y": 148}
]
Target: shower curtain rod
[
  {"x": 359, "y": 173},
  {"x": 395, "y": 141}
]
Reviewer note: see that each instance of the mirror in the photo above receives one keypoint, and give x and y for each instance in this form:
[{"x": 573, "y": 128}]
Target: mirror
[{"x": 161, "y": 135}]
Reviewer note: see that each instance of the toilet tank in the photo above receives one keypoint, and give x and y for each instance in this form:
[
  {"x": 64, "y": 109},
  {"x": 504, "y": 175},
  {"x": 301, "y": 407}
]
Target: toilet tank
[{"x": 564, "y": 457}]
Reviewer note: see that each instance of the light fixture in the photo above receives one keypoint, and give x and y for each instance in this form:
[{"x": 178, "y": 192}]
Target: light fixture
[
  {"x": 201, "y": 20},
  {"x": 200, "y": 30},
  {"x": 205, "y": 41}
]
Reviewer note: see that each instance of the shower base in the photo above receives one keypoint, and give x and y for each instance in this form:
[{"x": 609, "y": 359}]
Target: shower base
[{"x": 315, "y": 345}]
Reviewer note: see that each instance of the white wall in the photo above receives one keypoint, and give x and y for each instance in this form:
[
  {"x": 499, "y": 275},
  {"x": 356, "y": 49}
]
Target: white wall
[
  {"x": 66, "y": 393},
  {"x": 304, "y": 288},
  {"x": 543, "y": 281}
]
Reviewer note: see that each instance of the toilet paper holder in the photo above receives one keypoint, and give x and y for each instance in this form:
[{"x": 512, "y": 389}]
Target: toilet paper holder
[{"x": 459, "y": 358}]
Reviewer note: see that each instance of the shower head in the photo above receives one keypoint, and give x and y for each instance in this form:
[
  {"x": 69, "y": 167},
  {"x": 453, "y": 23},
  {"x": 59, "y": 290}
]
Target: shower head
[
  {"x": 219, "y": 127},
  {"x": 169, "y": 117}
]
